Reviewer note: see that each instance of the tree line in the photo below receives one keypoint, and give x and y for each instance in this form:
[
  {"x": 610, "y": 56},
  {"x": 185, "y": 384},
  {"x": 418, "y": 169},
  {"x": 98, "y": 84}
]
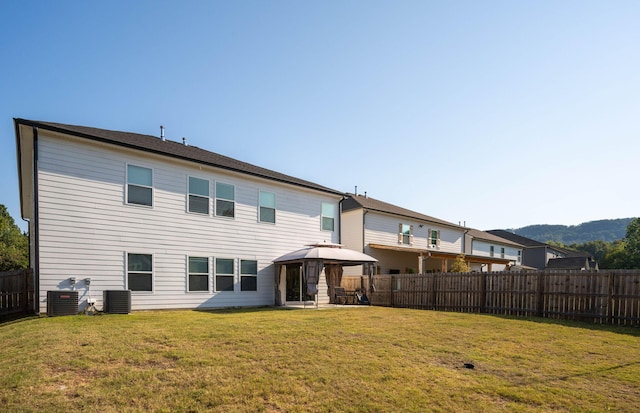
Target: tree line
[
  {"x": 619, "y": 254},
  {"x": 14, "y": 244}
]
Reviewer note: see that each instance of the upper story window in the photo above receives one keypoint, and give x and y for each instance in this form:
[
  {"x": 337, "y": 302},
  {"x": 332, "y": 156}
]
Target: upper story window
[
  {"x": 225, "y": 200},
  {"x": 267, "y": 207},
  {"x": 328, "y": 216},
  {"x": 140, "y": 272},
  {"x": 224, "y": 274},
  {"x": 248, "y": 275},
  {"x": 434, "y": 238},
  {"x": 198, "y": 195},
  {"x": 139, "y": 185},
  {"x": 519, "y": 255},
  {"x": 491, "y": 251},
  {"x": 501, "y": 252},
  {"x": 198, "y": 274},
  {"x": 405, "y": 234}
]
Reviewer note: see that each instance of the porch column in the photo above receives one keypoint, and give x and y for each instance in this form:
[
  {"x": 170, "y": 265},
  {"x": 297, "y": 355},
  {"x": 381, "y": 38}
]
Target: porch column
[
  {"x": 420, "y": 264},
  {"x": 489, "y": 267}
]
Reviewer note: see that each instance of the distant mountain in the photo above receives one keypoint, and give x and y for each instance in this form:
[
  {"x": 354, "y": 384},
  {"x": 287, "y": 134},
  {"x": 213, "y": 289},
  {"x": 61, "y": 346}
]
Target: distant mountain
[{"x": 604, "y": 230}]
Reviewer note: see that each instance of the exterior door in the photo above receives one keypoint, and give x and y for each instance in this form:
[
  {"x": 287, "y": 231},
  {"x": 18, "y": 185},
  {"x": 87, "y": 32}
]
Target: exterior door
[{"x": 296, "y": 289}]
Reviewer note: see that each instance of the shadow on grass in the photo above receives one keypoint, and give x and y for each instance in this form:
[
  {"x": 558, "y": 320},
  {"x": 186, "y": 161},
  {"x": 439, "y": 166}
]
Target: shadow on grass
[{"x": 8, "y": 320}]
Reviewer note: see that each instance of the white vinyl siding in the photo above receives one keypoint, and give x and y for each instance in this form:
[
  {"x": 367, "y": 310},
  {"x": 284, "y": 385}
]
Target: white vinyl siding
[{"x": 85, "y": 226}]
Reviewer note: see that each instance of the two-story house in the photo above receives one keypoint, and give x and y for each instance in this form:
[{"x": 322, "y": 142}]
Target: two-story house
[
  {"x": 405, "y": 241},
  {"x": 179, "y": 226}
]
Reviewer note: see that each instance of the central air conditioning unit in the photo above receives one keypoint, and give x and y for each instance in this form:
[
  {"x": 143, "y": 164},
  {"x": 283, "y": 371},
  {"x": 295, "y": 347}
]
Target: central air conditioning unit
[
  {"x": 117, "y": 301},
  {"x": 62, "y": 303}
]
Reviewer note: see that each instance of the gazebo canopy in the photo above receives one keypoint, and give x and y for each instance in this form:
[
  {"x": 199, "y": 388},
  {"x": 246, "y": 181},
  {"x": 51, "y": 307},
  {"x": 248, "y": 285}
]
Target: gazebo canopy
[{"x": 329, "y": 253}]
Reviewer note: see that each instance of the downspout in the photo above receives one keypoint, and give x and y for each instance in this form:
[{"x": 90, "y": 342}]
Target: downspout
[
  {"x": 36, "y": 224},
  {"x": 340, "y": 219}
]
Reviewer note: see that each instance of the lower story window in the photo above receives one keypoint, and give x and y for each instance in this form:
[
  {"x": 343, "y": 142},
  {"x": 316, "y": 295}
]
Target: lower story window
[
  {"x": 248, "y": 275},
  {"x": 198, "y": 274},
  {"x": 140, "y": 272},
  {"x": 224, "y": 274}
]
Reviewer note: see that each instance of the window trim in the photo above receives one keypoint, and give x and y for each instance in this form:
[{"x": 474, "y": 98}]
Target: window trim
[
  {"x": 127, "y": 273},
  {"x": 431, "y": 241},
  {"x": 501, "y": 252},
  {"x": 491, "y": 251},
  {"x": 275, "y": 207},
  {"x": 189, "y": 194},
  {"x": 323, "y": 216},
  {"x": 402, "y": 236},
  {"x": 126, "y": 196},
  {"x": 216, "y": 275},
  {"x": 243, "y": 275},
  {"x": 189, "y": 273},
  {"x": 215, "y": 212}
]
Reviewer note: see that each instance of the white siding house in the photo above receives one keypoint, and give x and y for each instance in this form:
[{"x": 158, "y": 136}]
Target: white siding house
[
  {"x": 179, "y": 226},
  {"x": 406, "y": 241}
]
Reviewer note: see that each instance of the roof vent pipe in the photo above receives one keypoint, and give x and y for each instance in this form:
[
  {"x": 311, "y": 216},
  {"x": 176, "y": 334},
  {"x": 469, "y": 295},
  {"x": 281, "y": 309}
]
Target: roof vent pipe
[
  {"x": 162, "y": 132},
  {"x": 184, "y": 141},
  {"x": 365, "y": 194},
  {"x": 356, "y": 190}
]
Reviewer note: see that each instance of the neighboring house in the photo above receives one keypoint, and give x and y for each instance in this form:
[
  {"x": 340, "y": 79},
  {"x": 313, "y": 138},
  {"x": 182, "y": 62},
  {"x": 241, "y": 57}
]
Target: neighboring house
[
  {"x": 572, "y": 264},
  {"x": 406, "y": 241},
  {"x": 484, "y": 244},
  {"x": 541, "y": 255},
  {"x": 180, "y": 226}
]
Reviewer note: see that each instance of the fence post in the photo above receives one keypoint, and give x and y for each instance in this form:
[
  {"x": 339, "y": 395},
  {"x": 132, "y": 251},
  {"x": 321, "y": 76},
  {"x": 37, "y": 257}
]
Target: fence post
[
  {"x": 483, "y": 292},
  {"x": 610, "y": 297},
  {"x": 392, "y": 293},
  {"x": 539, "y": 295}
]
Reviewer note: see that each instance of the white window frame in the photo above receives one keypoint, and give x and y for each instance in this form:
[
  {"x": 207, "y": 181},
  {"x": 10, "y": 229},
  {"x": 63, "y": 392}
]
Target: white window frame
[
  {"x": 248, "y": 275},
  {"x": 138, "y": 185},
  {"x": 519, "y": 256},
  {"x": 217, "y": 198},
  {"x": 501, "y": 252},
  {"x": 275, "y": 205},
  {"x": 192, "y": 194},
  {"x": 405, "y": 234},
  {"x": 431, "y": 241},
  {"x": 332, "y": 217},
  {"x": 129, "y": 272},
  {"x": 189, "y": 274},
  {"x": 216, "y": 274},
  {"x": 491, "y": 251}
]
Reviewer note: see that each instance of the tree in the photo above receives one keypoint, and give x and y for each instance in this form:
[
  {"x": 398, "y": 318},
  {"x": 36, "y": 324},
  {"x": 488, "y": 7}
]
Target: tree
[
  {"x": 460, "y": 265},
  {"x": 14, "y": 245},
  {"x": 632, "y": 243}
]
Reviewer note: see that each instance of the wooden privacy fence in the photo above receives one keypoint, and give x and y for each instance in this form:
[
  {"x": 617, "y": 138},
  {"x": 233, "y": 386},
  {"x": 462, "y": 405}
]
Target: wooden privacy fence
[
  {"x": 16, "y": 293},
  {"x": 604, "y": 297}
]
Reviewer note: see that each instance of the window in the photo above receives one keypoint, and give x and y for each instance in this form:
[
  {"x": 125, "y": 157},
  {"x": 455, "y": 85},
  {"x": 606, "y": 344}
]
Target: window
[
  {"x": 140, "y": 272},
  {"x": 491, "y": 252},
  {"x": 434, "y": 238},
  {"x": 225, "y": 200},
  {"x": 139, "y": 185},
  {"x": 248, "y": 275},
  {"x": 267, "y": 207},
  {"x": 405, "y": 234},
  {"x": 519, "y": 255},
  {"x": 328, "y": 216},
  {"x": 224, "y": 274},
  {"x": 502, "y": 252},
  {"x": 198, "y": 274},
  {"x": 198, "y": 195}
]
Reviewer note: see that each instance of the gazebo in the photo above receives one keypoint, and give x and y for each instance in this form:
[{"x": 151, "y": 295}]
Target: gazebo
[{"x": 314, "y": 259}]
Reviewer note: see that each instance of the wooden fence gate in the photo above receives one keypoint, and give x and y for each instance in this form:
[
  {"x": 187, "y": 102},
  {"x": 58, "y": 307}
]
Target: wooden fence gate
[{"x": 16, "y": 293}]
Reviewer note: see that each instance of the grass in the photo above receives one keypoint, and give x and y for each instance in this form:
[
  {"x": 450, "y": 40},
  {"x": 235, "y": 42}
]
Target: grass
[{"x": 337, "y": 360}]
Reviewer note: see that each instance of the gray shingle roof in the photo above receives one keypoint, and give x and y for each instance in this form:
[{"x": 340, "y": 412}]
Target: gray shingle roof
[
  {"x": 519, "y": 239},
  {"x": 173, "y": 149},
  {"x": 360, "y": 201},
  {"x": 488, "y": 236},
  {"x": 572, "y": 263}
]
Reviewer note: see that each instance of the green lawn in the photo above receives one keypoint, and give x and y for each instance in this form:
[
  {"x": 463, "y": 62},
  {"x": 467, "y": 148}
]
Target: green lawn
[{"x": 364, "y": 359}]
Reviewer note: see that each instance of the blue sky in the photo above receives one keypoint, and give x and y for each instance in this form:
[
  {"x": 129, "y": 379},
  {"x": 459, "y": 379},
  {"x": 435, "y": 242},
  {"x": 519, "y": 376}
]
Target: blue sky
[{"x": 501, "y": 114}]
